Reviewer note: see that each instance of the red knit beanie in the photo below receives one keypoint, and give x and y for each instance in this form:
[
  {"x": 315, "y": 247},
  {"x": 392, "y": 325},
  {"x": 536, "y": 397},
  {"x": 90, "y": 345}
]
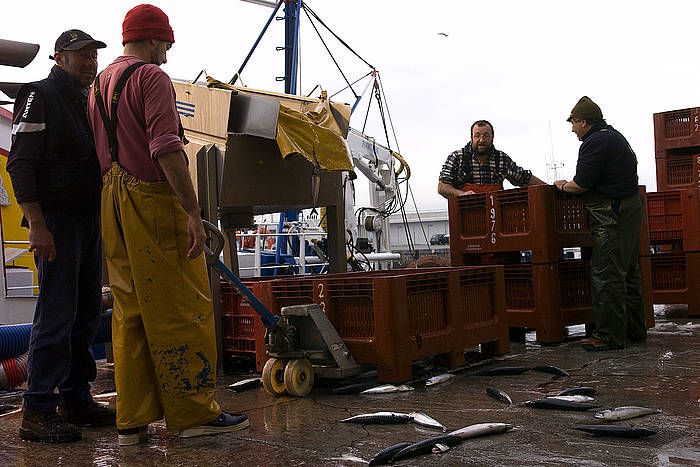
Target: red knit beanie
[{"x": 146, "y": 22}]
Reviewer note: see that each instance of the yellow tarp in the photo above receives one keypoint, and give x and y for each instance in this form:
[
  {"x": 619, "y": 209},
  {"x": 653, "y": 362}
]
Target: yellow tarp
[{"x": 314, "y": 128}]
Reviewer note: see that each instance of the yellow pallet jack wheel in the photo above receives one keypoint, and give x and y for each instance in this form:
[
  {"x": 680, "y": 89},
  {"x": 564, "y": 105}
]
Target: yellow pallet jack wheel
[
  {"x": 299, "y": 377},
  {"x": 273, "y": 376}
]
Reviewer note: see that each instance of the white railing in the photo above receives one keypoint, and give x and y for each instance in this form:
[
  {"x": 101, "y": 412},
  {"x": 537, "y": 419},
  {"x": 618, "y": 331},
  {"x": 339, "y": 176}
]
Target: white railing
[
  {"x": 301, "y": 261},
  {"x": 17, "y": 290}
]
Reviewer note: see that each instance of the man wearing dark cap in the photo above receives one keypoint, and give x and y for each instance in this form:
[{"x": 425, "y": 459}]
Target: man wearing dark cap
[
  {"x": 163, "y": 335},
  {"x": 479, "y": 166},
  {"x": 56, "y": 179},
  {"x": 606, "y": 172}
]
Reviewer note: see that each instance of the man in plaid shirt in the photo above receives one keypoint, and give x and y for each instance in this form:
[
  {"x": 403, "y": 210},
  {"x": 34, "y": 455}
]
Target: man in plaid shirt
[{"x": 480, "y": 163}]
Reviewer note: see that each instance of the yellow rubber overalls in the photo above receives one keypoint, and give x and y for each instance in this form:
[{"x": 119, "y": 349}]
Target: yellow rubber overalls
[{"x": 163, "y": 334}]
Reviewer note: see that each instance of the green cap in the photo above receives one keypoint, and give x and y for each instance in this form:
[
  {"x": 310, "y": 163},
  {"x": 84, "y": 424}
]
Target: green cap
[{"x": 585, "y": 109}]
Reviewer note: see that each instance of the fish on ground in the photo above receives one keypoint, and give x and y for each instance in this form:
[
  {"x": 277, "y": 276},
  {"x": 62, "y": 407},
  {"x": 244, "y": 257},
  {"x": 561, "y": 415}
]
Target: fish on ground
[
  {"x": 8, "y": 408},
  {"x": 439, "y": 379},
  {"x": 503, "y": 370},
  {"x": 355, "y": 388},
  {"x": 379, "y": 418},
  {"x": 625, "y": 413},
  {"x": 419, "y": 418},
  {"x": 619, "y": 431},
  {"x": 439, "y": 448},
  {"x": 499, "y": 395},
  {"x": 387, "y": 389},
  {"x": 451, "y": 439},
  {"x": 385, "y": 455},
  {"x": 579, "y": 391},
  {"x": 244, "y": 384},
  {"x": 426, "y": 446},
  {"x": 557, "y": 404},
  {"x": 551, "y": 369},
  {"x": 574, "y": 398}
]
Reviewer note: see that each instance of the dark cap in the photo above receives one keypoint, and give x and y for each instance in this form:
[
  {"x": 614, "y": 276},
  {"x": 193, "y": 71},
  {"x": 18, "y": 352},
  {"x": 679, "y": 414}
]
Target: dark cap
[
  {"x": 75, "y": 39},
  {"x": 586, "y": 109}
]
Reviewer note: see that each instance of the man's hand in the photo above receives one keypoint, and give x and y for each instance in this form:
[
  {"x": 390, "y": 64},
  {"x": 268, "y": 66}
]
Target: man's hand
[
  {"x": 41, "y": 242},
  {"x": 469, "y": 192},
  {"x": 196, "y": 236},
  {"x": 560, "y": 184}
]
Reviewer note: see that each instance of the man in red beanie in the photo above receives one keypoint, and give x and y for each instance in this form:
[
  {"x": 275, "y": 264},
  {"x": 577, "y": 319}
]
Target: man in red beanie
[{"x": 163, "y": 334}]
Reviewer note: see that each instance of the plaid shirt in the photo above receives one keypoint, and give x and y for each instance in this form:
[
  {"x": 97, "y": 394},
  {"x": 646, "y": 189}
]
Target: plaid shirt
[{"x": 463, "y": 166}]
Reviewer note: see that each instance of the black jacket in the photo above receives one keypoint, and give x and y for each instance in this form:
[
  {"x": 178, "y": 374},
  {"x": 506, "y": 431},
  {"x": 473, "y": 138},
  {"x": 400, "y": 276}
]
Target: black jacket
[
  {"x": 607, "y": 165},
  {"x": 53, "y": 159}
]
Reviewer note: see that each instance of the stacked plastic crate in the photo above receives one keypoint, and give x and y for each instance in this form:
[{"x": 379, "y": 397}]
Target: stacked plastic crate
[
  {"x": 674, "y": 211},
  {"x": 527, "y": 230}
]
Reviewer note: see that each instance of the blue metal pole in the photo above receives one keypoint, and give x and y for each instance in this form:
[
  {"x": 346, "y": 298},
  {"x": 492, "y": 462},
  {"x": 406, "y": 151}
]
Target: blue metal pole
[{"x": 255, "y": 45}]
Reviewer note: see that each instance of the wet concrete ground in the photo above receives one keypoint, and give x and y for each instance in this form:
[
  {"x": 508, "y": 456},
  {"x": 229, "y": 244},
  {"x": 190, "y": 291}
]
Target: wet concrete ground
[{"x": 663, "y": 373}]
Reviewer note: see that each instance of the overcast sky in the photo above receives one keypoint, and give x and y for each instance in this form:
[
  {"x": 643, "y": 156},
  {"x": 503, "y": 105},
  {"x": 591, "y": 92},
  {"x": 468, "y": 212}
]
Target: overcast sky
[{"x": 520, "y": 64}]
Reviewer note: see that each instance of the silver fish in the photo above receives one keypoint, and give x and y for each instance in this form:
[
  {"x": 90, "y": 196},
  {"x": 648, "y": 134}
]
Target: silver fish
[
  {"x": 385, "y": 455},
  {"x": 583, "y": 391},
  {"x": 379, "y": 418},
  {"x": 422, "y": 419},
  {"x": 481, "y": 429},
  {"x": 499, "y": 395},
  {"x": 625, "y": 412},
  {"x": 439, "y": 379},
  {"x": 619, "y": 431},
  {"x": 387, "y": 389},
  {"x": 573, "y": 398},
  {"x": 551, "y": 369},
  {"x": 558, "y": 404},
  {"x": 245, "y": 384},
  {"x": 439, "y": 448}
]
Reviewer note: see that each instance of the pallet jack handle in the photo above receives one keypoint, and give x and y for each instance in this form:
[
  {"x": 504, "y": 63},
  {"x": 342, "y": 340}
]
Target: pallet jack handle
[{"x": 216, "y": 238}]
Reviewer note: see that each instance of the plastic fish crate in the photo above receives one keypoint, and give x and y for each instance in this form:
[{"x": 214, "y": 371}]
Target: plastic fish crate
[
  {"x": 674, "y": 218},
  {"x": 675, "y": 279},
  {"x": 547, "y": 297},
  {"x": 238, "y": 322},
  {"x": 392, "y": 320},
  {"x": 537, "y": 218},
  {"x": 677, "y": 129},
  {"x": 677, "y": 172},
  {"x": 482, "y": 312}
]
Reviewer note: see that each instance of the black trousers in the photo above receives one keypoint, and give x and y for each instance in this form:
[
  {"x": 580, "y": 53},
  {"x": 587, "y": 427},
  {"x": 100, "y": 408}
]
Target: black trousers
[{"x": 67, "y": 313}]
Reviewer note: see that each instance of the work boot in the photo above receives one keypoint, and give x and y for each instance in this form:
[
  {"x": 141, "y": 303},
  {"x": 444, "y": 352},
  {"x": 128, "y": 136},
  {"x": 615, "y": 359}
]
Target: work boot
[
  {"x": 131, "y": 436},
  {"x": 48, "y": 427},
  {"x": 224, "y": 423},
  {"x": 86, "y": 413}
]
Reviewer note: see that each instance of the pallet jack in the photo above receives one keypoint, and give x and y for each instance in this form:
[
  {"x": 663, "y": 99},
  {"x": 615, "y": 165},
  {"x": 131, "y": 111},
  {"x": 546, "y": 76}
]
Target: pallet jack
[{"x": 301, "y": 342}]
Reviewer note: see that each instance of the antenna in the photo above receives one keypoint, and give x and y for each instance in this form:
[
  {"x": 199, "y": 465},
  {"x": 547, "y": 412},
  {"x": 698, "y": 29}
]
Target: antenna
[{"x": 552, "y": 165}]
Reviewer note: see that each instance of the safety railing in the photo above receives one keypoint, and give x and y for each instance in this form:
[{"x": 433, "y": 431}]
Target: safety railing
[
  {"x": 262, "y": 235},
  {"x": 11, "y": 251}
]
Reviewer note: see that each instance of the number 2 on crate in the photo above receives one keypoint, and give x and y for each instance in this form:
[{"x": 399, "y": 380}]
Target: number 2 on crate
[{"x": 321, "y": 296}]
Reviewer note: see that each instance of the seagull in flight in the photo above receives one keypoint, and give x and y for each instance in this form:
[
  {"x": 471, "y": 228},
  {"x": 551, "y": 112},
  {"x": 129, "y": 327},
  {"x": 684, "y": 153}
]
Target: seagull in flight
[{"x": 443, "y": 34}]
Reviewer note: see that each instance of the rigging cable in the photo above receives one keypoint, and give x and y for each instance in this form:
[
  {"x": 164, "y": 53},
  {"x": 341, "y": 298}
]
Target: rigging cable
[
  {"x": 306, "y": 7},
  {"x": 329, "y": 51}
]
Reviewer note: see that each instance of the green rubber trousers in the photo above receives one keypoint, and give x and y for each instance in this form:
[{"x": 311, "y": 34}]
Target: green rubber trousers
[
  {"x": 618, "y": 304},
  {"x": 163, "y": 335}
]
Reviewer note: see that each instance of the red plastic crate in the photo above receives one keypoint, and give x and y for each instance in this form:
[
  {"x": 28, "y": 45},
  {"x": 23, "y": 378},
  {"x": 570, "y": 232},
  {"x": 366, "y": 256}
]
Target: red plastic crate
[
  {"x": 548, "y": 297},
  {"x": 482, "y": 307},
  {"x": 676, "y": 129},
  {"x": 392, "y": 320},
  {"x": 675, "y": 279},
  {"x": 238, "y": 322},
  {"x": 537, "y": 218},
  {"x": 674, "y": 218},
  {"x": 678, "y": 172}
]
